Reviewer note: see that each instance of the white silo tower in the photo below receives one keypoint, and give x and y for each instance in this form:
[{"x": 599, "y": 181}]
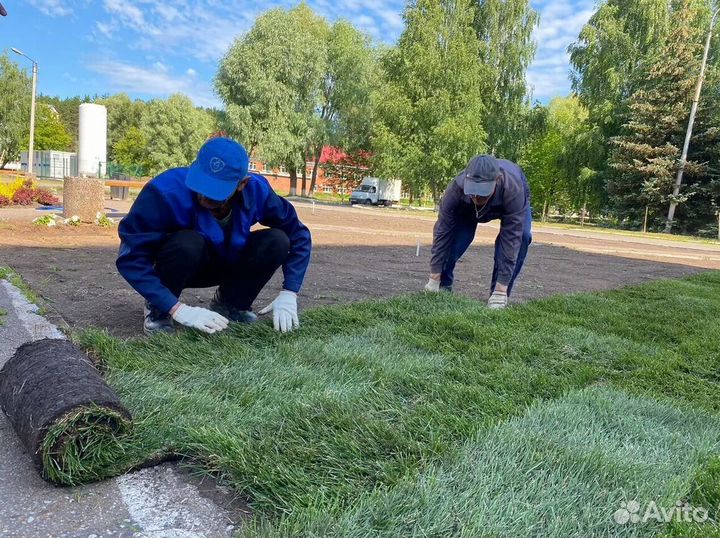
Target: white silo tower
[{"x": 92, "y": 140}]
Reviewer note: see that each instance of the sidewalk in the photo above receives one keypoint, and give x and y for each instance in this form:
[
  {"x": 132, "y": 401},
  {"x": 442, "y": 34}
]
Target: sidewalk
[{"x": 160, "y": 502}]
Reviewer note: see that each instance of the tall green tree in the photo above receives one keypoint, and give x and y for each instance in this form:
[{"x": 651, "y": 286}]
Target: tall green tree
[
  {"x": 175, "y": 130},
  {"x": 50, "y": 133},
  {"x": 15, "y": 88},
  {"x": 644, "y": 158},
  {"x": 69, "y": 110},
  {"x": 701, "y": 215},
  {"x": 132, "y": 151},
  {"x": 345, "y": 116},
  {"x": 270, "y": 80},
  {"x": 505, "y": 29},
  {"x": 609, "y": 53},
  {"x": 557, "y": 159},
  {"x": 429, "y": 107}
]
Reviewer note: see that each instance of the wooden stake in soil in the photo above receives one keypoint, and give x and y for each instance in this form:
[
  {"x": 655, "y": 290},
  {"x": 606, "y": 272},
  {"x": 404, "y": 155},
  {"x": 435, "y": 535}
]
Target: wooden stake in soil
[{"x": 84, "y": 197}]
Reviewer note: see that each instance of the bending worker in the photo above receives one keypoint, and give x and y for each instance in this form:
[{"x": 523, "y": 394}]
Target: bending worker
[
  {"x": 190, "y": 228},
  {"x": 486, "y": 190}
]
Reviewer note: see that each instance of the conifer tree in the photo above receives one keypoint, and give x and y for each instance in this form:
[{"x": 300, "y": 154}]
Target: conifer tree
[{"x": 644, "y": 157}]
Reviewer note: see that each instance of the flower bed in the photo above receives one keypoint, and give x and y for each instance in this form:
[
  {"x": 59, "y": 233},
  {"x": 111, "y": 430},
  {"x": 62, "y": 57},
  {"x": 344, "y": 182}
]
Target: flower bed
[{"x": 25, "y": 192}]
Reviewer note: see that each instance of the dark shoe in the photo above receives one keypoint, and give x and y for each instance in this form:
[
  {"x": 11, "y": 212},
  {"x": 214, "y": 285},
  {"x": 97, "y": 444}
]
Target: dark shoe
[
  {"x": 157, "y": 322},
  {"x": 231, "y": 312}
]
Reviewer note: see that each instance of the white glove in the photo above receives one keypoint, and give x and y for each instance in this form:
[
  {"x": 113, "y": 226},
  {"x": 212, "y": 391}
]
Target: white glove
[
  {"x": 498, "y": 300},
  {"x": 284, "y": 309},
  {"x": 199, "y": 318},
  {"x": 432, "y": 285}
]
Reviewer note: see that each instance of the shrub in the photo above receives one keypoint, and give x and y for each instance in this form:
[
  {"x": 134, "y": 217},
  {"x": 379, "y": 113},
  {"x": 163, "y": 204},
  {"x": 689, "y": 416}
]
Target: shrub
[
  {"x": 4, "y": 201},
  {"x": 24, "y": 196},
  {"x": 7, "y": 190},
  {"x": 45, "y": 197}
]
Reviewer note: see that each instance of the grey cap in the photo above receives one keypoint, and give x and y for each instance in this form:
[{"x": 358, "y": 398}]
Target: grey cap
[{"x": 480, "y": 175}]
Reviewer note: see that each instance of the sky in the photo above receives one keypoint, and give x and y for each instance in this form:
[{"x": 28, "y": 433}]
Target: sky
[{"x": 153, "y": 48}]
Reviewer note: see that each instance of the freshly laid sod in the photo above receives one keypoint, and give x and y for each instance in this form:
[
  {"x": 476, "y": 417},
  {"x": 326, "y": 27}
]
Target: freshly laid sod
[
  {"x": 374, "y": 413},
  {"x": 562, "y": 469}
]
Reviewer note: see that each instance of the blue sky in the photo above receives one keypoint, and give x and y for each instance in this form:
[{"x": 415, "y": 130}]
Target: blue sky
[{"x": 152, "y": 48}]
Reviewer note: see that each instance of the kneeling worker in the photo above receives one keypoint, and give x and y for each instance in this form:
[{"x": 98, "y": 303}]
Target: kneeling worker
[
  {"x": 190, "y": 228},
  {"x": 486, "y": 190}
]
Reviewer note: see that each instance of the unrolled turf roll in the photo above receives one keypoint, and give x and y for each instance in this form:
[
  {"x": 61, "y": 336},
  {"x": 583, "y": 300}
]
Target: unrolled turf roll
[{"x": 63, "y": 411}]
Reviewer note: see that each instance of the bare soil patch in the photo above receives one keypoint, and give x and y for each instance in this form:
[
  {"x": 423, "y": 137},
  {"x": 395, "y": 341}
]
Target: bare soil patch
[{"x": 358, "y": 254}]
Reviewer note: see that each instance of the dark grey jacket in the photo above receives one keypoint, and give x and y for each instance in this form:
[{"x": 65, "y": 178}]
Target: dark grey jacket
[{"x": 510, "y": 203}]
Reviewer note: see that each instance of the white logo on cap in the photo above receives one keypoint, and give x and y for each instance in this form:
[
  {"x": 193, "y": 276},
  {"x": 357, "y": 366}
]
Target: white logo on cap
[{"x": 216, "y": 164}]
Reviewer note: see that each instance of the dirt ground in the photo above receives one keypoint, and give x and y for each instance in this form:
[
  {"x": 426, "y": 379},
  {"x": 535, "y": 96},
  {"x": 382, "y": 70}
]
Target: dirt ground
[{"x": 358, "y": 254}]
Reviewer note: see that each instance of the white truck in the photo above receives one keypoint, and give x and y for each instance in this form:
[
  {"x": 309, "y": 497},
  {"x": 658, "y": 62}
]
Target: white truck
[{"x": 377, "y": 191}]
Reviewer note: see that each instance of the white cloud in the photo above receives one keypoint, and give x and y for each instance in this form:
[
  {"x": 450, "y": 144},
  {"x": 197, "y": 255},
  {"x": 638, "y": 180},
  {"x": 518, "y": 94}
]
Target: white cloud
[
  {"x": 205, "y": 29},
  {"x": 128, "y": 14},
  {"x": 155, "y": 80},
  {"x": 104, "y": 29},
  {"x": 560, "y": 24},
  {"x": 52, "y": 8}
]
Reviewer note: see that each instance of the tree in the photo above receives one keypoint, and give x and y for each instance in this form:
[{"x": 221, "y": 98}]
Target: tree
[
  {"x": 50, "y": 133},
  {"x": 270, "y": 80},
  {"x": 131, "y": 151},
  {"x": 505, "y": 28},
  {"x": 610, "y": 51},
  {"x": 68, "y": 110},
  {"x": 15, "y": 88},
  {"x": 429, "y": 107},
  {"x": 557, "y": 159},
  {"x": 344, "y": 171},
  {"x": 607, "y": 61},
  {"x": 700, "y": 216},
  {"x": 175, "y": 130},
  {"x": 346, "y": 110},
  {"x": 644, "y": 157}
]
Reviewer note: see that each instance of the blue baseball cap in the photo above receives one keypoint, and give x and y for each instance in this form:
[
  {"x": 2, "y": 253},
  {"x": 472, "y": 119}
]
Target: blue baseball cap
[
  {"x": 480, "y": 175},
  {"x": 220, "y": 166}
]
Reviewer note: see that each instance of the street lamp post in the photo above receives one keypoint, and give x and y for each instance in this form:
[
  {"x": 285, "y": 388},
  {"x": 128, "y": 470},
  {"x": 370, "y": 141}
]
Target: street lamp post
[
  {"x": 32, "y": 109},
  {"x": 688, "y": 134}
]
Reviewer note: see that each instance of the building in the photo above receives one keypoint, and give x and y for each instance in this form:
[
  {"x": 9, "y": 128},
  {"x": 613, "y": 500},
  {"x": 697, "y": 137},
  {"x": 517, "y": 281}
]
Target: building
[
  {"x": 50, "y": 164},
  {"x": 343, "y": 178}
]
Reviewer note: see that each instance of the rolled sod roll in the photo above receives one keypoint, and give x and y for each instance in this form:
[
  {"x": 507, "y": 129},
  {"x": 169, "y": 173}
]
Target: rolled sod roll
[{"x": 69, "y": 419}]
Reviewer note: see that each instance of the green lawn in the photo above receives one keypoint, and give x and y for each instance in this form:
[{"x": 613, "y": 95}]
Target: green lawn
[{"x": 434, "y": 416}]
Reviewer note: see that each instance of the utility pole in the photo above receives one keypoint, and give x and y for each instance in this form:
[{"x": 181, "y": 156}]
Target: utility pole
[
  {"x": 688, "y": 134},
  {"x": 31, "y": 145}
]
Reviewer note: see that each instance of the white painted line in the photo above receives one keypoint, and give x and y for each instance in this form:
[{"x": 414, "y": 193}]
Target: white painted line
[{"x": 165, "y": 507}]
